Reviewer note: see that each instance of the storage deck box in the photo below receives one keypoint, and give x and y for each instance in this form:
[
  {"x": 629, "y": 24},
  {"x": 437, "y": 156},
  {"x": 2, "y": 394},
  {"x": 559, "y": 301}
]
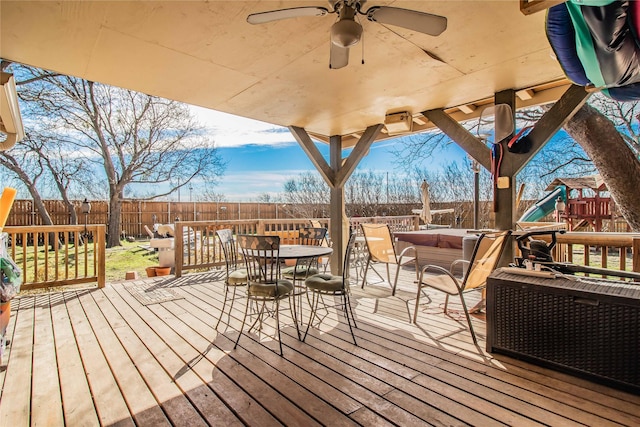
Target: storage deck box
[{"x": 589, "y": 328}]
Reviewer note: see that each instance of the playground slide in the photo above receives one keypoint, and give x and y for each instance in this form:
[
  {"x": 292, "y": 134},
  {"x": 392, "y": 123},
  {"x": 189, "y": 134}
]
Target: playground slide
[{"x": 544, "y": 206}]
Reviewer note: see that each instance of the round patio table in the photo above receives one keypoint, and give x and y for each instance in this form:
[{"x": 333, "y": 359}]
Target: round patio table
[{"x": 302, "y": 251}]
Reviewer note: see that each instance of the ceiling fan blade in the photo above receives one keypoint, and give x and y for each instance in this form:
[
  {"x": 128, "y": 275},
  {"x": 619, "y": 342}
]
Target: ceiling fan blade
[
  {"x": 426, "y": 23},
  {"x": 294, "y": 12},
  {"x": 338, "y": 57}
]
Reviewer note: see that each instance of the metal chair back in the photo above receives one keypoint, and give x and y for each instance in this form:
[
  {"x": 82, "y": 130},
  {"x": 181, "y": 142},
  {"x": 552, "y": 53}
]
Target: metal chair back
[
  {"x": 261, "y": 257},
  {"x": 313, "y": 236}
]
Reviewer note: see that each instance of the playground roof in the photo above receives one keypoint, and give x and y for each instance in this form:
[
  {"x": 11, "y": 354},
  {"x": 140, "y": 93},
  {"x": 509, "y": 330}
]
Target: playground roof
[{"x": 593, "y": 182}]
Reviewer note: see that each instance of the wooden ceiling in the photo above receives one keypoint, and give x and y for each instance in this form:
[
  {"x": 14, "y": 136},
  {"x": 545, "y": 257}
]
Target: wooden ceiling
[{"x": 205, "y": 53}]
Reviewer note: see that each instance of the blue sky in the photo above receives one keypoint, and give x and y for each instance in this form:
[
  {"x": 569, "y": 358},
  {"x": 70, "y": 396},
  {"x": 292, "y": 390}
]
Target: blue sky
[{"x": 261, "y": 157}]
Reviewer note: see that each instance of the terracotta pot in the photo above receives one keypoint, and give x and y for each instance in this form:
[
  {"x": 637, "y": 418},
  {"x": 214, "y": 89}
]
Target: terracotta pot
[
  {"x": 163, "y": 271},
  {"x": 151, "y": 271}
]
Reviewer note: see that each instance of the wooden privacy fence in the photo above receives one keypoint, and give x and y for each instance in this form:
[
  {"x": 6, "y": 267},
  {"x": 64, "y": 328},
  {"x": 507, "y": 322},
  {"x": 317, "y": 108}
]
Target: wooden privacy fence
[
  {"x": 137, "y": 214},
  {"x": 58, "y": 255}
]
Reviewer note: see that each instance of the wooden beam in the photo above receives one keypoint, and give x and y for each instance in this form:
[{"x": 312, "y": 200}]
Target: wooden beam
[
  {"x": 419, "y": 121},
  {"x": 314, "y": 154},
  {"x": 552, "y": 121},
  {"x": 469, "y": 143},
  {"x": 525, "y": 94},
  {"x": 527, "y": 7},
  {"x": 336, "y": 175},
  {"x": 467, "y": 109},
  {"x": 359, "y": 151},
  {"x": 542, "y": 94}
]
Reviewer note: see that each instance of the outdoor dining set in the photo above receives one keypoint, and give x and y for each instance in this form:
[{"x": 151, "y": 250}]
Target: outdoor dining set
[{"x": 269, "y": 272}]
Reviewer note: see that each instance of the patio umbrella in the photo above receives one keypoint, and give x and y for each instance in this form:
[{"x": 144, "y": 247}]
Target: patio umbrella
[{"x": 425, "y": 215}]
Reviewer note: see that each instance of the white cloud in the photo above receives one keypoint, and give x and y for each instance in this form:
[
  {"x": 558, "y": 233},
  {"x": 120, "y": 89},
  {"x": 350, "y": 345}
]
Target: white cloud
[{"x": 234, "y": 131}]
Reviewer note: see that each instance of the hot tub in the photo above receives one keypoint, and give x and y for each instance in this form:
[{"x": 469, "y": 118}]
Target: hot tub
[{"x": 438, "y": 246}]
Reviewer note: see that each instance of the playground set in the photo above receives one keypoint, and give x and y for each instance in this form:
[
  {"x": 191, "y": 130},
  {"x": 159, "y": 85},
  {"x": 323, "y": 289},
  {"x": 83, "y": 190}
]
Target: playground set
[{"x": 584, "y": 204}]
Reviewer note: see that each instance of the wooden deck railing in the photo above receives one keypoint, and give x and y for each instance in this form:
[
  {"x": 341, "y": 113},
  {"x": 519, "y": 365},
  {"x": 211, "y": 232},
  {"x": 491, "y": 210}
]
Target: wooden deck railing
[
  {"x": 52, "y": 256},
  {"x": 196, "y": 240},
  {"x": 617, "y": 251},
  {"x": 58, "y": 255}
]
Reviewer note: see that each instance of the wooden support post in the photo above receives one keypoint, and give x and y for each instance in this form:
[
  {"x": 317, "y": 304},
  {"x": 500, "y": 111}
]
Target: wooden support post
[
  {"x": 336, "y": 175},
  {"x": 505, "y": 197},
  {"x": 336, "y": 209}
]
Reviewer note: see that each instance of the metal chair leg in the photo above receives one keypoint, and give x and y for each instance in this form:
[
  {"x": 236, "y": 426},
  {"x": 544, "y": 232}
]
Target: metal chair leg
[
  {"x": 364, "y": 277},
  {"x": 314, "y": 308},
  {"x": 294, "y": 313},
  {"x": 244, "y": 319},
  {"x": 466, "y": 313},
  {"x": 415, "y": 313},
  {"x": 347, "y": 309},
  {"x": 278, "y": 324},
  {"x": 224, "y": 303}
]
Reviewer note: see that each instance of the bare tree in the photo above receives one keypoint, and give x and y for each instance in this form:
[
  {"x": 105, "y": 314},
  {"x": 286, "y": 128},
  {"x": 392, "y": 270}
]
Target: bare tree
[
  {"x": 126, "y": 137},
  {"x": 306, "y": 195},
  {"x": 367, "y": 193},
  {"x": 18, "y": 165},
  {"x": 613, "y": 154},
  {"x": 455, "y": 185}
]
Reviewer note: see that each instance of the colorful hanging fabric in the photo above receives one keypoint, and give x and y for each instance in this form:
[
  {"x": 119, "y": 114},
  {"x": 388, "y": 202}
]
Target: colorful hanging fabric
[{"x": 596, "y": 43}]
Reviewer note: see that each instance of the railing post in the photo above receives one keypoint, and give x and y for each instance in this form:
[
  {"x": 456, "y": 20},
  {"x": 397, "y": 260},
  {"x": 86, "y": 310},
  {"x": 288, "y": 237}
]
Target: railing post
[
  {"x": 101, "y": 231},
  {"x": 178, "y": 244},
  {"x": 635, "y": 251}
]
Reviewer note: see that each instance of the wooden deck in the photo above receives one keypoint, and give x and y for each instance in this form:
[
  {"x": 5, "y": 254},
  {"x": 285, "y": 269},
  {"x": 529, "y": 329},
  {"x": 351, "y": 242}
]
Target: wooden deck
[{"x": 101, "y": 357}]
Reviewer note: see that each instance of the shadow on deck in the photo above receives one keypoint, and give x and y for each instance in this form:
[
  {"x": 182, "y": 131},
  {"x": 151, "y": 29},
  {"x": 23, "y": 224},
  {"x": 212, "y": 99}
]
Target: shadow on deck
[{"x": 116, "y": 356}]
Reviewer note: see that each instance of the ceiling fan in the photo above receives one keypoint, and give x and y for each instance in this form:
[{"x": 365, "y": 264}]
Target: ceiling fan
[{"x": 346, "y": 32}]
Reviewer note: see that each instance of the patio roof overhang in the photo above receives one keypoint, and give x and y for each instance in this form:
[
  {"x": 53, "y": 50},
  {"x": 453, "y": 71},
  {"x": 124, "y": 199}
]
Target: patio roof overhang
[{"x": 205, "y": 53}]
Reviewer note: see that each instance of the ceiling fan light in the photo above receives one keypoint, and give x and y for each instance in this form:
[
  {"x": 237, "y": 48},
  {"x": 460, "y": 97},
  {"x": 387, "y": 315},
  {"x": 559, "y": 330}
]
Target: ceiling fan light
[{"x": 346, "y": 33}]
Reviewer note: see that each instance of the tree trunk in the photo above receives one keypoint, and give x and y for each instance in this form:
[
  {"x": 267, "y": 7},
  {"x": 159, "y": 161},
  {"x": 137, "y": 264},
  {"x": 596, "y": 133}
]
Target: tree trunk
[
  {"x": 41, "y": 208},
  {"x": 115, "y": 213},
  {"x": 613, "y": 158}
]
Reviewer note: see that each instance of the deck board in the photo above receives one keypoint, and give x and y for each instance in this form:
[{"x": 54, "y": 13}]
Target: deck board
[
  {"x": 76, "y": 396},
  {"x": 110, "y": 405},
  {"x": 111, "y": 334},
  {"x": 123, "y": 363},
  {"x": 178, "y": 395},
  {"x": 46, "y": 405},
  {"x": 262, "y": 364},
  {"x": 15, "y": 404}
]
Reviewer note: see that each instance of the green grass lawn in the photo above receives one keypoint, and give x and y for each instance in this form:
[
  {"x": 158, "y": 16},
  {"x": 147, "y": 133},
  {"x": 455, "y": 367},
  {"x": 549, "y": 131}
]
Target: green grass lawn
[
  {"x": 128, "y": 257},
  {"x": 131, "y": 256}
]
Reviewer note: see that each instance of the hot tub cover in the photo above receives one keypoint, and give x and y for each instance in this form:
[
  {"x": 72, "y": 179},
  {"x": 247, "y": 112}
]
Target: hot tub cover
[{"x": 445, "y": 238}]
